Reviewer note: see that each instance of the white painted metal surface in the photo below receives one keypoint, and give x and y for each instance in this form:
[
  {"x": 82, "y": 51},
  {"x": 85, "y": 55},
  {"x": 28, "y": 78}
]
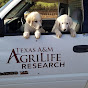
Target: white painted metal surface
[{"x": 49, "y": 64}]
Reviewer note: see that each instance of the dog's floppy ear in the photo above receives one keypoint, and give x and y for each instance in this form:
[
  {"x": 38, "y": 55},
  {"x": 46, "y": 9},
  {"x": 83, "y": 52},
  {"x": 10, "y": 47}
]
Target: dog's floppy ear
[
  {"x": 56, "y": 26},
  {"x": 70, "y": 21},
  {"x": 29, "y": 20}
]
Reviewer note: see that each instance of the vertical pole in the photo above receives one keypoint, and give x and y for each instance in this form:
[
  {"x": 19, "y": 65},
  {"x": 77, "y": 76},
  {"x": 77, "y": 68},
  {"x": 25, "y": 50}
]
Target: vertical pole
[{"x": 1, "y": 27}]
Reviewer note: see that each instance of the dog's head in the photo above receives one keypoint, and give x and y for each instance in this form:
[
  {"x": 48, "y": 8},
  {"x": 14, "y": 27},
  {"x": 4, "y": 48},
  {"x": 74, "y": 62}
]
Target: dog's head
[
  {"x": 34, "y": 20},
  {"x": 64, "y": 22}
]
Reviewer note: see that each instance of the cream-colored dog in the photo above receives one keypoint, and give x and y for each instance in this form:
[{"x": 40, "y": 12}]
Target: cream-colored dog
[
  {"x": 33, "y": 25},
  {"x": 63, "y": 24}
]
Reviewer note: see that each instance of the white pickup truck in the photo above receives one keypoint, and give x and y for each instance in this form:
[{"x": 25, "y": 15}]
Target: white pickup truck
[{"x": 47, "y": 62}]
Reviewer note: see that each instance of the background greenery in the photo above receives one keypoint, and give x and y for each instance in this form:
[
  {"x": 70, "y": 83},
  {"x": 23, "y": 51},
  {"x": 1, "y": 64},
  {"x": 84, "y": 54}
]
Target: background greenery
[
  {"x": 2, "y": 2},
  {"x": 39, "y": 5},
  {"x": 45, "y": 6}
]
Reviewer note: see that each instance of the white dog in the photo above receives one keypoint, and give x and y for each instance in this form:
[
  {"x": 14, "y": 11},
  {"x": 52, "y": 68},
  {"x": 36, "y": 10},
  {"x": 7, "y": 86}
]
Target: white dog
[
  {"x": 63, "y": 24},
  {"x": 33, "y": 25}
]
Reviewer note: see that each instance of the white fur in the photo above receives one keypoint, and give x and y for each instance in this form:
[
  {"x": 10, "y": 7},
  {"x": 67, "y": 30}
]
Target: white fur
[
  {"x": 63, "y": 24},
  {"x": 37, "y": 34},
  {"x": 26, "y": 35},
  {"x": 35, "y": 21}
]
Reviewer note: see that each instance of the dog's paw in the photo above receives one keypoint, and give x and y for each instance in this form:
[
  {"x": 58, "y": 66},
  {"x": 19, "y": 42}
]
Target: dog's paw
[
  {"x": 59, "y": 35},
  {"x": 37, "y": 34},
  {"x": 26, "y": 35},
  {"x": 73, "y": 34}
]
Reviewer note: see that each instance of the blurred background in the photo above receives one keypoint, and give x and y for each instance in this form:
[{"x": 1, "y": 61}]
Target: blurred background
[{"x": 2, "y": 2}]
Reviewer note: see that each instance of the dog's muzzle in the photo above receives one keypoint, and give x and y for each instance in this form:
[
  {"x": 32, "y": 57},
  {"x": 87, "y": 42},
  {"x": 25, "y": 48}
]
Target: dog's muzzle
[
  {"x": 65, "y": 30},
  {"x": 40, "y": 27}
]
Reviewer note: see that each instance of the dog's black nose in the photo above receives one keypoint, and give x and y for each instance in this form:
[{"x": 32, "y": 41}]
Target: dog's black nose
[
  {"x": 40, "y": 27},
  {"x": 64, "y": 29}
]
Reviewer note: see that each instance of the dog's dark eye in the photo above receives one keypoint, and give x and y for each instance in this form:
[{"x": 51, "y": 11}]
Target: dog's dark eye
[
  {"x": 66, "y": 23},
  {"x": 62, "y": 23},
  {"x": 36, "y": 21}
]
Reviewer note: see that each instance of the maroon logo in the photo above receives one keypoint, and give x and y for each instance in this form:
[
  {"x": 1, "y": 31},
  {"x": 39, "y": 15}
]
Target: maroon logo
[
  {"x": 36, "y": 58},
  {"x": 13, "y": 54}
]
